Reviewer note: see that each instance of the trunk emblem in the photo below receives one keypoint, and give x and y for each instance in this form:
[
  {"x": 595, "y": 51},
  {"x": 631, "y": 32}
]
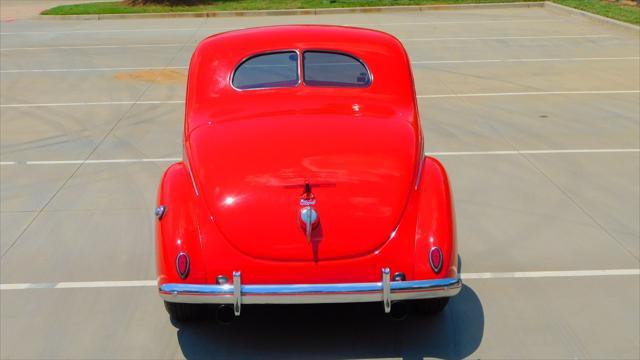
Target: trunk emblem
[
  {"x": 307, "y": 202},
  {"x": 308, "y": 198},
  {"x": 309, "y": 220},
  {"x": 308, "y": 215}
]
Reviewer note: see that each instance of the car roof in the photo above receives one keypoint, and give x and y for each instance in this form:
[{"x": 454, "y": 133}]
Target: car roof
[{"x": 210, "y": 96}]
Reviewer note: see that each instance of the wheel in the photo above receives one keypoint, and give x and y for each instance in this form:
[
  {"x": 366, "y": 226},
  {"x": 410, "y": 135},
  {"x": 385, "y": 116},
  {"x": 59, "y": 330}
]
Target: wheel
[
  {"x": 431, "y": 306},
  {"x": 182, "y": 312}
]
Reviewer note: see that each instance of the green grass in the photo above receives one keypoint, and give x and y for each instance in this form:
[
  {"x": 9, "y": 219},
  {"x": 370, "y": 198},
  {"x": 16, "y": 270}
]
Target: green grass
[
  {"x": 118, "y": 7},
  {"x": 620, "y": 12},
  {"x": 612, "y": 10}
]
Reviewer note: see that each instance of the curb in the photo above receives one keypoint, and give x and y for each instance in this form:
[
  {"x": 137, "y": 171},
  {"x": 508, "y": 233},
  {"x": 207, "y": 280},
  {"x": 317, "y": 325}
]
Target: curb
[
  {"x": 597, "y": 18},
  {"x": 322, "y": 11}
]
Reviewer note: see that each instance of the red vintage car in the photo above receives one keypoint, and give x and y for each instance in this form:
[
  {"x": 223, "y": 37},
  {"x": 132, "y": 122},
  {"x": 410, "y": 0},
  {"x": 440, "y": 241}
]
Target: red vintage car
[{"x": 304, "y": 178}]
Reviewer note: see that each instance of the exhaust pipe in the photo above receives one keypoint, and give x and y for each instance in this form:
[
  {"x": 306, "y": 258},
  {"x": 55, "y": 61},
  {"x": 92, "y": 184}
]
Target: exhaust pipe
[
  {"x": 225, "y": 314},
  {"x": 399, "y": 310}
]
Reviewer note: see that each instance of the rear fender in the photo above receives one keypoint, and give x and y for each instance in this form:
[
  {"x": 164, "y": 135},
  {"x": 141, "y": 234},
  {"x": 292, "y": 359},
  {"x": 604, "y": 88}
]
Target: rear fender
[
  {"x": 435, "y": 222},
  {"x": 177, "y": 230}
]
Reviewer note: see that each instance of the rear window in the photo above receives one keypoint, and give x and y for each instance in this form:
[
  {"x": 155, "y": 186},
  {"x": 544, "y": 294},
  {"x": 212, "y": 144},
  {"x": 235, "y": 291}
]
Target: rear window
[
  {"x": 323, "y": 68},
  {"x": 268, "y": 70}
]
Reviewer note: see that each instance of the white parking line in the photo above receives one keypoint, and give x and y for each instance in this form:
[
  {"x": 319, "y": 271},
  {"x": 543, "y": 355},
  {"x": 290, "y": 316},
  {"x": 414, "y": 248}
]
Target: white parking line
[
  {"x": 93, "y": 103},
  {"x": 233, "y": 28},
  {"x": 459, "y": 22},
  {"x": 519, "y": 152},
  {"x": 552, "y": 274},
  {"x": 433, "y": 96},
  {"x": 92, "y": 47},
  {"x": 79, "y": 284},
  {"x": 444, "y": 153},
  {"x": 465, "y": 276},
  {"x": 101, "y": 31},
  {"x": 106, "y": 161},
  {"x": 528, "y": 93},
  {"x": 413, "y": 62},
  {"x": 95, "y": 69},
  {"x": 414, "y": 39},
  {"x": 509, "y": 37},
  {"x": 524, "y": 60}
]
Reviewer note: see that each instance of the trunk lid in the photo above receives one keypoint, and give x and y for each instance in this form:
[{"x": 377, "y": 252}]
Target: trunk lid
[{"x": 251, "y": 174}]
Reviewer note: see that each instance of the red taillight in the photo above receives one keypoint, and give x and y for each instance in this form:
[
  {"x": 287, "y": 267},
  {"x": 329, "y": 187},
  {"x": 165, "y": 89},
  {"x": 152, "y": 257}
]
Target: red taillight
[
  {"x": 182, "y": 265},
  {"x": 435, "y": 259}
]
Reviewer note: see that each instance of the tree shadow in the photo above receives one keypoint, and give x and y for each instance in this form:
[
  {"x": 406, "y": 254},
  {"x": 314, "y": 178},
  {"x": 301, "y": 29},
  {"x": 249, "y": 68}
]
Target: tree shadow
[{"x": 338, "y": 331}]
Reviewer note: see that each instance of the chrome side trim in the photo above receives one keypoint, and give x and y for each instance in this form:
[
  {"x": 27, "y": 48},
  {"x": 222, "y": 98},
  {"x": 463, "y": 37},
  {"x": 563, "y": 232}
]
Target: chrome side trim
[
  {"x": 309, "y": 293},
  {"x": 420, "y": 165},
  {"x": 237, "y": 293},
  {"x": 386, "y": 289}
]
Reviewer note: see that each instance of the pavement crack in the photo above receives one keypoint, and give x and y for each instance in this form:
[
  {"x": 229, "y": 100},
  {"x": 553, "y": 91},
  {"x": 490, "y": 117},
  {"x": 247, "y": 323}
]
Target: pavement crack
[
  {"x": 99, "y": 143},
  {"x": 556, "y": 185},
  {"x": 580, "y": 207}
]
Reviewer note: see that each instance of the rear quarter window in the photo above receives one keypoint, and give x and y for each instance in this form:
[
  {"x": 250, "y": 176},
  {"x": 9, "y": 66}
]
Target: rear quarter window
[
  {"x": 322, "y": 68},
  {"x": 267, "y": 70}
]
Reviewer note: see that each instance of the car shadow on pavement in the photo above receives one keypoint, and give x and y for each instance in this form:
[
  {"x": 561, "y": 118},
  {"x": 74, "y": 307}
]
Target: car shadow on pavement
[{"x": 338, "y": 331}]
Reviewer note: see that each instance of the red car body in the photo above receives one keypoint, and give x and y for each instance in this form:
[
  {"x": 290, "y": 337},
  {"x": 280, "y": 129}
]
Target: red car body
[{"x": 229, "y": 227}]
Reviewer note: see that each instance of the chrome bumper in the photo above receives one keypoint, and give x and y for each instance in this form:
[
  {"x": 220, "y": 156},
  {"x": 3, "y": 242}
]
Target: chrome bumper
[{"x": 238, "y": 294}]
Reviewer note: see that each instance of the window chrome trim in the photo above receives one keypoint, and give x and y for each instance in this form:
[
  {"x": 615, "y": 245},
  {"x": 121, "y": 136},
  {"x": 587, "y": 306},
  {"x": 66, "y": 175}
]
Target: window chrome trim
[
  {"x": 300, "y": 67},
  {"x": 270, "y": 52},
  {"x": 338, "y": 52}
]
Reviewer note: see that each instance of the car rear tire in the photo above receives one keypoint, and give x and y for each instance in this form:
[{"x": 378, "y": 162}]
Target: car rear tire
[
  {"x": 431, "y": 306},
  {"x": 182, "y": 312}
]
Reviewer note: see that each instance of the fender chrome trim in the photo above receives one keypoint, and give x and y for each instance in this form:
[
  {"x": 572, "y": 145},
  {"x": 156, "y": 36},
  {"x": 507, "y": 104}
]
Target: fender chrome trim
[{"x": 385, "y": 291}]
